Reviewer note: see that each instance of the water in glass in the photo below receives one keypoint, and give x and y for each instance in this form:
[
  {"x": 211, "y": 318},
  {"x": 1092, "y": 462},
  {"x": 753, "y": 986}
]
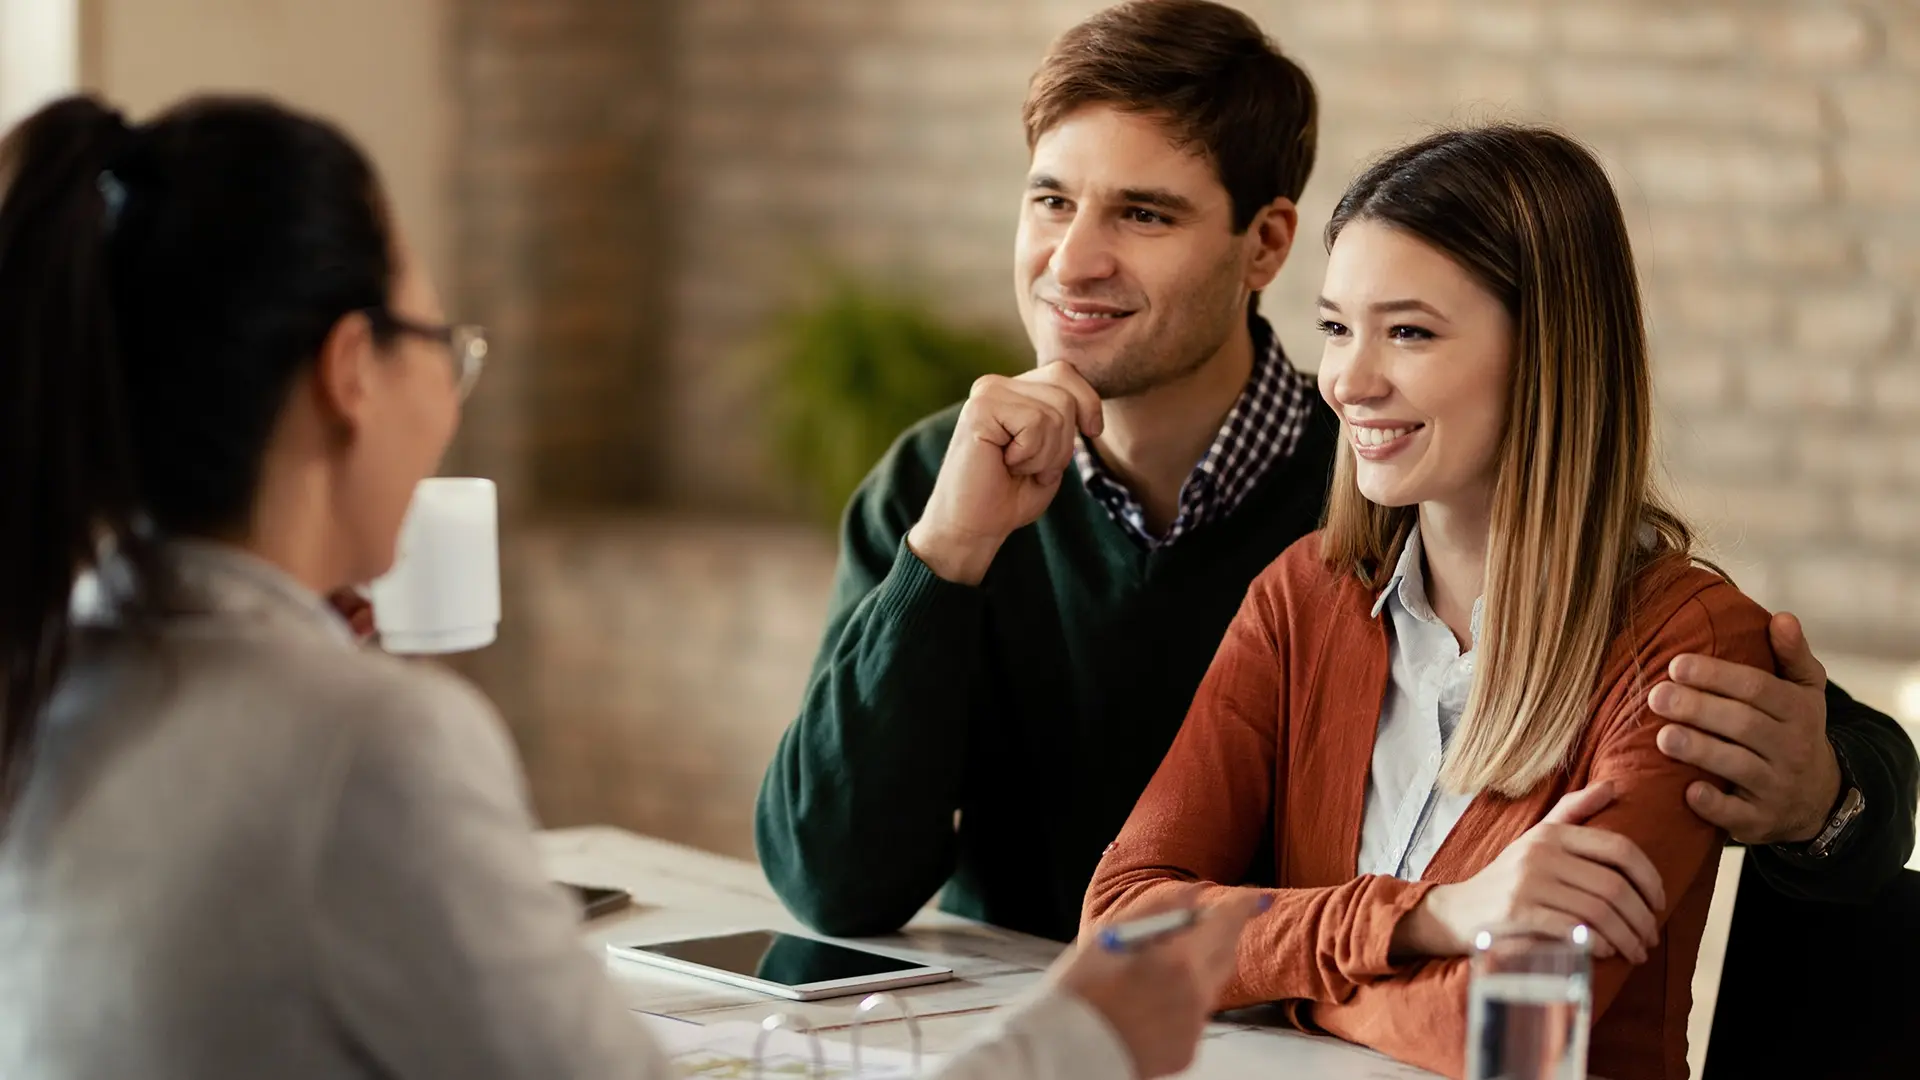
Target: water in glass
[{"x": 1529, "y": 1006}]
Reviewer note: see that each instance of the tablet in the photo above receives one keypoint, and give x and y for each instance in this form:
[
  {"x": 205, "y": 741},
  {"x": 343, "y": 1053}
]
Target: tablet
[{"x": 784, "y": 965}]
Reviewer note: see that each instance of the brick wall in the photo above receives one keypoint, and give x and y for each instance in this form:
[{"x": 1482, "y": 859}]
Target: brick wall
[
  {"x": 1768, "y": 154},
  {"x": 648, "y": 665},
  {"x": 562, "y": 242}
]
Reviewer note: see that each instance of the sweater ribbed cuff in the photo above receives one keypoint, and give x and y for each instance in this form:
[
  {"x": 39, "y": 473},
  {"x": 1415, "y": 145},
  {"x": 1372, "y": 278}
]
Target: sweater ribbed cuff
[
  {"x": 912, "y": 593},
  {"x": 1375, "y": 958}
]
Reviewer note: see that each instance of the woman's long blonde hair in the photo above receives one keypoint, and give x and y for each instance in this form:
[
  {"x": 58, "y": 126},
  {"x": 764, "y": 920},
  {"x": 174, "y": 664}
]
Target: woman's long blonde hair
[{"x": 1530, "y": 213}]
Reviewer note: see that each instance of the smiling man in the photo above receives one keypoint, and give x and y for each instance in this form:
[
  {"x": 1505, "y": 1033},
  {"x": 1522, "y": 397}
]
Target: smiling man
[{"x": 1032, "y": 584}]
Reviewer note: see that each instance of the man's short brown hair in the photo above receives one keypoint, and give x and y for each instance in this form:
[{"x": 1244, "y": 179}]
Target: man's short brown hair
[{"x": 1221, "y": 86}]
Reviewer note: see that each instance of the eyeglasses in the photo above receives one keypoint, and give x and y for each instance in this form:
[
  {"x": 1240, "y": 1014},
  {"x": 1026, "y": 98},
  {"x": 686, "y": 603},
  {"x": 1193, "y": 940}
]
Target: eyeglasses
[{"x": 465, "y": 343}]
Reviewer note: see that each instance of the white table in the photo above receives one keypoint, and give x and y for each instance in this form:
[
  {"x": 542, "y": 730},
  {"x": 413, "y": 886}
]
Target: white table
[{"x": 678, "y": 890}]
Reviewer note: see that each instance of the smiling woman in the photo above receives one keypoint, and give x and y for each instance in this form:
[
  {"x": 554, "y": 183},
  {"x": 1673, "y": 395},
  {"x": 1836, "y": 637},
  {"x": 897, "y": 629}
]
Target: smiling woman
[
  {"x": 1537, "y": 473},
  {"x": 1430, "y": 717},
  {"x": 1421, "y": 325}
]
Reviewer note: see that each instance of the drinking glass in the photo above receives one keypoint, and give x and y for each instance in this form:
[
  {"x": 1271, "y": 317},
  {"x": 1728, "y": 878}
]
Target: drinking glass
[{"x": 1529, "y": 1005}]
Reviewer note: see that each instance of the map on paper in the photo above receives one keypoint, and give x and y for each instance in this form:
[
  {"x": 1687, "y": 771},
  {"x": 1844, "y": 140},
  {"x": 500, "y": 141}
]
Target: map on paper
[{"x": 725, "y": 1052}]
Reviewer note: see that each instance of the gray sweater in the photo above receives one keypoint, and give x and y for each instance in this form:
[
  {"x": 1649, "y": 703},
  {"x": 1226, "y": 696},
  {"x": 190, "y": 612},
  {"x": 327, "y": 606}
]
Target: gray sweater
[{"x": 250, "y": 848}]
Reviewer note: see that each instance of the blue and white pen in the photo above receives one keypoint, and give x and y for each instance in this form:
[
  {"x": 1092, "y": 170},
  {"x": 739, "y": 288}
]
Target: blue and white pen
[{"x": 1130, "y": 935}]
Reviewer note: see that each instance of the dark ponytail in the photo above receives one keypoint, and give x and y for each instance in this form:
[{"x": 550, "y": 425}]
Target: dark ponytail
[{"x": 161, "y": 287}]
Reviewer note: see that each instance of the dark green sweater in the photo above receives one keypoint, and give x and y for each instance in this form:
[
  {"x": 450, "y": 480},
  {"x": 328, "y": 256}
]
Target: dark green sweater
[{"x": 993, "y": 740}]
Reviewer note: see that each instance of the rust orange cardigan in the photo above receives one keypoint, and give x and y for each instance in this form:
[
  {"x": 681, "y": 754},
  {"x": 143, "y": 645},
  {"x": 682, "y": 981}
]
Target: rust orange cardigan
[{"x": 1266, "y": 782}]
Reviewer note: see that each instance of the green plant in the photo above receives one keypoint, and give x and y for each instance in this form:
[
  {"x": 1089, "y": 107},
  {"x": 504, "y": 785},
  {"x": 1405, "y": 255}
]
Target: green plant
[{"x": 854, "y": 370}]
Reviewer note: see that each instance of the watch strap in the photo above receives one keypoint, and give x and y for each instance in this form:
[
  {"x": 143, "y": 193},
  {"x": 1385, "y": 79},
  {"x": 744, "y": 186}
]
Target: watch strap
[{"x": 1846, "y": 810}]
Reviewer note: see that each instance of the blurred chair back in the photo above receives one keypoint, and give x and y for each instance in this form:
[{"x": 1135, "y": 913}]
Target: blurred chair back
[{"x": 1815, "y": 990}]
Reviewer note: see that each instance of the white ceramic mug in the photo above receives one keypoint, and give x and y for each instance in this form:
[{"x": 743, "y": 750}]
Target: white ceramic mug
[{"x": 443, "y": 593}]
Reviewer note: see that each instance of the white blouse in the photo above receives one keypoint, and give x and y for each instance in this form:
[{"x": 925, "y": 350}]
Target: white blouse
[{"x": 1408, "y": 816}]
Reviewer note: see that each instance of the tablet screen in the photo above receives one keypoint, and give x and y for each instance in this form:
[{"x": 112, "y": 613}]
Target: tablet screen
[{"x": 779, "y": 958}]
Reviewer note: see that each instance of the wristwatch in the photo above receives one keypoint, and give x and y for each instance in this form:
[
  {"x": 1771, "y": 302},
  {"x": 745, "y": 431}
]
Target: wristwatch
[{"x": 1846, "y": 810}]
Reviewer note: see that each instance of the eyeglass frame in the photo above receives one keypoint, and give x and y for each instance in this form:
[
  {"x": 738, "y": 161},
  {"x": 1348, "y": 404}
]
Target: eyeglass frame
[{"x": 466, "y": 343}]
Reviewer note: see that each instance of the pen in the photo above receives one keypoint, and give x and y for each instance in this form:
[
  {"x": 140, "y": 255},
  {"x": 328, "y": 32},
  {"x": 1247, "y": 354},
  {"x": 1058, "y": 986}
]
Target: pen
[
  {"x": 1130, "y": 935},
  {"x": 1122, "y": 937}
]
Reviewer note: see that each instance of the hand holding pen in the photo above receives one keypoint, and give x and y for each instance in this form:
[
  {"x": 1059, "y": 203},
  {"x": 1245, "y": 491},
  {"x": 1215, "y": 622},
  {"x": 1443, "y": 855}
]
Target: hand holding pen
[{"x": 1157, "y": 979}]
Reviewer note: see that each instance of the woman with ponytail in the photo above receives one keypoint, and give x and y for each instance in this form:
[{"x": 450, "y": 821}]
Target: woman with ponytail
[{"x": 234, "y": 843}]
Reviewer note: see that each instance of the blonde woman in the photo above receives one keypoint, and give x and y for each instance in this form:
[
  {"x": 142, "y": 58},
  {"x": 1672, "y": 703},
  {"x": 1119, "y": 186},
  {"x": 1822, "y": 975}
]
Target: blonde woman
[{"x": 1431, "y": 715}]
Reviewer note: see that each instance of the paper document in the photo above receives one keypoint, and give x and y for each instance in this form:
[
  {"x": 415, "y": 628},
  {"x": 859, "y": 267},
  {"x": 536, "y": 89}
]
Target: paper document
[{"x": 725, "y": 1052}]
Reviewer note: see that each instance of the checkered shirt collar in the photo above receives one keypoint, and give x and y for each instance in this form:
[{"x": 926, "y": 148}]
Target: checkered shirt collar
[{"x": 1262, "y": 429}]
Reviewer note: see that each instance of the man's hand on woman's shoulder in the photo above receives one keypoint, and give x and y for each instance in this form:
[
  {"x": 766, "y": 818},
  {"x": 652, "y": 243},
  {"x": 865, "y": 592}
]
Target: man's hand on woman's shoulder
[{"x": 1763, "y": 733}]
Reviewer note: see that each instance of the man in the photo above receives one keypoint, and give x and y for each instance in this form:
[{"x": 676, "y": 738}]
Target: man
[{"x": 1032, "y": 585}]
